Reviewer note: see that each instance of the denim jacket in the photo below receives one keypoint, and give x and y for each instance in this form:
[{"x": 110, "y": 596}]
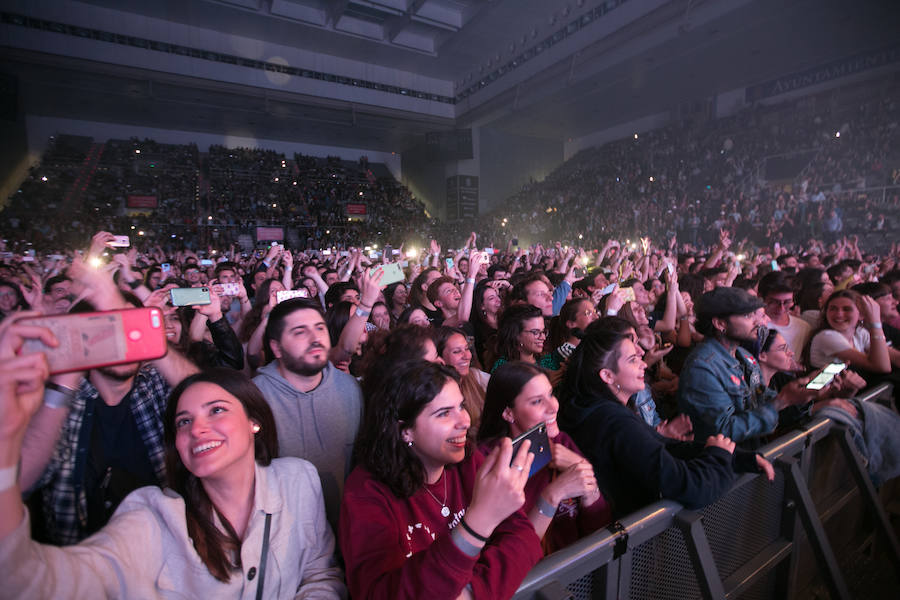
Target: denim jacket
[{"x": 725, "y": 394}]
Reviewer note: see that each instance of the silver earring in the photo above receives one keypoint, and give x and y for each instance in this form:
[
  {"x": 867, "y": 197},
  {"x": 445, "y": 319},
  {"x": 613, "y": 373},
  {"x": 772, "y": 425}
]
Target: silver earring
[{"x": 409, "y": 443}]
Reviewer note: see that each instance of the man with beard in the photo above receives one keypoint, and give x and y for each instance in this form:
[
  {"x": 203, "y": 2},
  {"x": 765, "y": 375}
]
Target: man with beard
[
  {"x": 99, "y": 435},
  {"x": 721, "y": 387},
  {"x": 317, "y": 407}
]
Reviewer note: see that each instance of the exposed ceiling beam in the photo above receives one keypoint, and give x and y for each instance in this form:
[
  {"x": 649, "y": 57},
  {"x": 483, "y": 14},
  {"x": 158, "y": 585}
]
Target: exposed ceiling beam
[
  {"x": 393, "y": 27},
  {"x": 335, "y": 10}
]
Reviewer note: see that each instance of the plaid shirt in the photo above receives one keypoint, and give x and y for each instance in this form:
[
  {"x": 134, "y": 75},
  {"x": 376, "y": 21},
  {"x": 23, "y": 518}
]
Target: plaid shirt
[{"x": 62, "y": 484}]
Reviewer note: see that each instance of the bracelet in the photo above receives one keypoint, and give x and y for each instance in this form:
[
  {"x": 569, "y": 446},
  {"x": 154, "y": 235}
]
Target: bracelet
[
  {"x": 470, "y": 280},
  {"x": 471, "y": 531},
  {"x": 545, "y": 508},
  {"x": 874, "y": 325},
  {"x": 611, "y": 312},
  {"x": 465, "y": 546},
  {"x": 58, "y": 396},
  {"x": 361, "y": 312},
  {"x": 8, "y": 477}
]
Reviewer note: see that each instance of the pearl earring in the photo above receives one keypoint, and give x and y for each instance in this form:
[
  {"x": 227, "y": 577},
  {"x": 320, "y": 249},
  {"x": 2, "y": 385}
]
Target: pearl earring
[
  {"x": 255, "y": 428},
  {"x": 409, "y": 443}
]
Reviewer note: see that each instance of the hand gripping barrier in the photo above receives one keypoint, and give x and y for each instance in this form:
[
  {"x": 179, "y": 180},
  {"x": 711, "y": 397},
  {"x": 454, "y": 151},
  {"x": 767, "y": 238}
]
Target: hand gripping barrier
[{"x": 761, "y": 540}]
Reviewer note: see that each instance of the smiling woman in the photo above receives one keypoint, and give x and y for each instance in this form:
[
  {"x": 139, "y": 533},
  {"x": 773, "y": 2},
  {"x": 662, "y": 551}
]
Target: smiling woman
[
  {"x": 235, "y": 518},
  {"x": 423, "y": 515}
]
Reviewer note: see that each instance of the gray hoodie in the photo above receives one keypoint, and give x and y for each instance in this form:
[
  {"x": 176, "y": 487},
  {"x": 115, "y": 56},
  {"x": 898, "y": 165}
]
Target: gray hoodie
[{"x": 318, "y": 426}]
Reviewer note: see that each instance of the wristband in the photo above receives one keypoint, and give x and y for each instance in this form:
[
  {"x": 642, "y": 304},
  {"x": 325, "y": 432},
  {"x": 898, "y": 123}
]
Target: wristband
[
  {"x": 464, "y": 545},
  {"x": 8, "y": 477},
  {"x": 58, "y": 396},
  {"x": 470, "y": 280},
  {"x": 545, "y": 508},
  {"x": 471, "y": 531},
  {"x": 133, "y": 284},
  {"x": 612, "y": 312},
  {"x": 361, "y": 312},
  {"x": 874, "y": 325}
]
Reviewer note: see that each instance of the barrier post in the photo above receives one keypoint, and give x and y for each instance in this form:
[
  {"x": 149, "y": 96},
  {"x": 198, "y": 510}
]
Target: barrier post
[
  {"x": 870, "y": 496},
  {"x": 691, "y": 526},
  {"x": 796, "y": 490}
]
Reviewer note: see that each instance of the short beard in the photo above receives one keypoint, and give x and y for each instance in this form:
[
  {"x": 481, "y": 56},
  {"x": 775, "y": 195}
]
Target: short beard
[
  {"x": 120, "y": 375},
  {"x": 301, "y": 367}
]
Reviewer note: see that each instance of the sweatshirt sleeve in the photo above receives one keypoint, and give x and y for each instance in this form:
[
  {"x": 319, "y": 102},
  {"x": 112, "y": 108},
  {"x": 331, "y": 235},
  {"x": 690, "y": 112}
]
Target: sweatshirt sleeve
[
  {"x": 106, "y": 565},
  {"x": 513, "y": 549}
]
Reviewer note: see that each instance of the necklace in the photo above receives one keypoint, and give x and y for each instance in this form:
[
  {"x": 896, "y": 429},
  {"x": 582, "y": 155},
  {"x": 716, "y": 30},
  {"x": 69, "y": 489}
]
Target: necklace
[{"x": 445, "y": 511}]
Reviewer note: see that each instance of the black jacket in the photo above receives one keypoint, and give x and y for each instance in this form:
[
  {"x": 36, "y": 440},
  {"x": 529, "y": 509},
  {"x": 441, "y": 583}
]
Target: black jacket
[{"x": 635, "y": 466}]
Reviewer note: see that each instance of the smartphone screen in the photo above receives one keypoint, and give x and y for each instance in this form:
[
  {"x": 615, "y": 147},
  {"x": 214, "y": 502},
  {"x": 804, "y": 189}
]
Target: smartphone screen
[
  {"x": 120, "y": 241},
  {"x": 448, "y": 262},
  {"x": 100, "y": 339},
  {"x": 826, "y": 376},
  {"x": 540, "y": 447}
]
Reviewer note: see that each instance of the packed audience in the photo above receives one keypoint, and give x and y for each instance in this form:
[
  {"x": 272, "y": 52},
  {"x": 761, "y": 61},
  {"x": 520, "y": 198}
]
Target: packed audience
[
  {"x": 322, "y": 419},
  {"x": 302, "y": 406}
]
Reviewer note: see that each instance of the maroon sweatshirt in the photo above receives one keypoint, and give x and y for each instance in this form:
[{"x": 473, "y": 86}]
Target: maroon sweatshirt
[
  {"x": 397, "y": 548},
  {"x": 572, "y": 520}
]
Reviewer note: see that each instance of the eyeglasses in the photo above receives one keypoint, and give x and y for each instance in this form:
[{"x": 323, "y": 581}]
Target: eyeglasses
[
  {"x": 590, "y": 312},
  {"x": 538, "y": 333},
  {"x": 785, "y": 303}
]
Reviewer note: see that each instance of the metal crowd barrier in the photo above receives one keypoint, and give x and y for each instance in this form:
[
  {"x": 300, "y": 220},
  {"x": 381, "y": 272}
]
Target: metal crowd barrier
[{"x": 758, "y": 541}]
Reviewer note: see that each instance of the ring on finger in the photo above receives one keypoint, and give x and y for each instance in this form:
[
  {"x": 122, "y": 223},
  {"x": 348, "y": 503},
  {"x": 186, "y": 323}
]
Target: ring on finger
[{"x": 519, "y": 467}]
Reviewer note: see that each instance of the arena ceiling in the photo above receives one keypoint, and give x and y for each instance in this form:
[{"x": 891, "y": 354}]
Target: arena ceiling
[{"x": 682, "y": 50}]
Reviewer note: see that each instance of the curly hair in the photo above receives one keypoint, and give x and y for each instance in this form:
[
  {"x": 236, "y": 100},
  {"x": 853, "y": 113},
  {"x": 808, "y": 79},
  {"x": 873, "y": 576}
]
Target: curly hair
[{"x": 388, "y": 410}]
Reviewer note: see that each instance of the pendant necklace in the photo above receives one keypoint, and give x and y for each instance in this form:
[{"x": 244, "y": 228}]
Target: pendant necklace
[{"x": 445, "y": 510}]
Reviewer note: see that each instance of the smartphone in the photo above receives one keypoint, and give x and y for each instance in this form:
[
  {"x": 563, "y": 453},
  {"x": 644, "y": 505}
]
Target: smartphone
[
  {"x": 775, "y": 266},
  {"x": 119, "y": 241},
  {"x": 326, "y": 252},
  {"x": 629, "y": 294},
  {"x": 609, "y": 289},
  {"x": 288, "y": 294},
  {"x": 489, "y": 251},
  {"x": 826, "y": 375},
  {"x": 388, "y": 250},
  {"x": 205, "y": 262},
  {"x": 449, "y": 263},
  {"x": 100, "y": 339},
  {"x": 392, "y": 273},
  {"x": 671, "y": 268},
  {"x": 189, "y": 296},
  {"x": 27, "y": 258},
  {"x": 660, "y": 342},
  {"x": 231, "y": 289},
  {"x": 540, "y": 447},
  {"x": 165, "y": 267}
]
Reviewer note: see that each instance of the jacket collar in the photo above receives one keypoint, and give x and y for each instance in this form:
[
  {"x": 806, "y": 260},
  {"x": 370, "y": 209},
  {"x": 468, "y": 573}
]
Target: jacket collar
[{"x": 267, "y": 496}]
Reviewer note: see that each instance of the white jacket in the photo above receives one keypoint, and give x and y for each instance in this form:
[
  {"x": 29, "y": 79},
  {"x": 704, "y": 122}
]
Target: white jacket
[{"x": 145, "y": 552}]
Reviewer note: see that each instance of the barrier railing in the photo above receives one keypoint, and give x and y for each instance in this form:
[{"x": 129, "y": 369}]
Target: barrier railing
[{"x": 745, "y": 544}]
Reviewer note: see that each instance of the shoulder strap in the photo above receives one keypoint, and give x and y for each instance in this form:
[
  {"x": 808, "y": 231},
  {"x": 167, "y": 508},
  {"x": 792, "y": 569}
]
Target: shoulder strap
[{"x": 262, "y": 558}]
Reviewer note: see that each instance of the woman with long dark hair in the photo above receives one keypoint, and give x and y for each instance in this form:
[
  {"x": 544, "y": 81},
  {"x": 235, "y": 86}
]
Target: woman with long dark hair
[
  {"x": 235, "y": 517},
  {"x": 521, "y": 336},
  {"x": 634, "y": 464},
  {"x": 562, "y": 499},
  {"x": 423, "y": 515}
]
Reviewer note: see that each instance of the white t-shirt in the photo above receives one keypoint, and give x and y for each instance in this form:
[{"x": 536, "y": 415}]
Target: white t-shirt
[
  {"x": 795, "y": 333},
  {"x": 829, "y": 342}
]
